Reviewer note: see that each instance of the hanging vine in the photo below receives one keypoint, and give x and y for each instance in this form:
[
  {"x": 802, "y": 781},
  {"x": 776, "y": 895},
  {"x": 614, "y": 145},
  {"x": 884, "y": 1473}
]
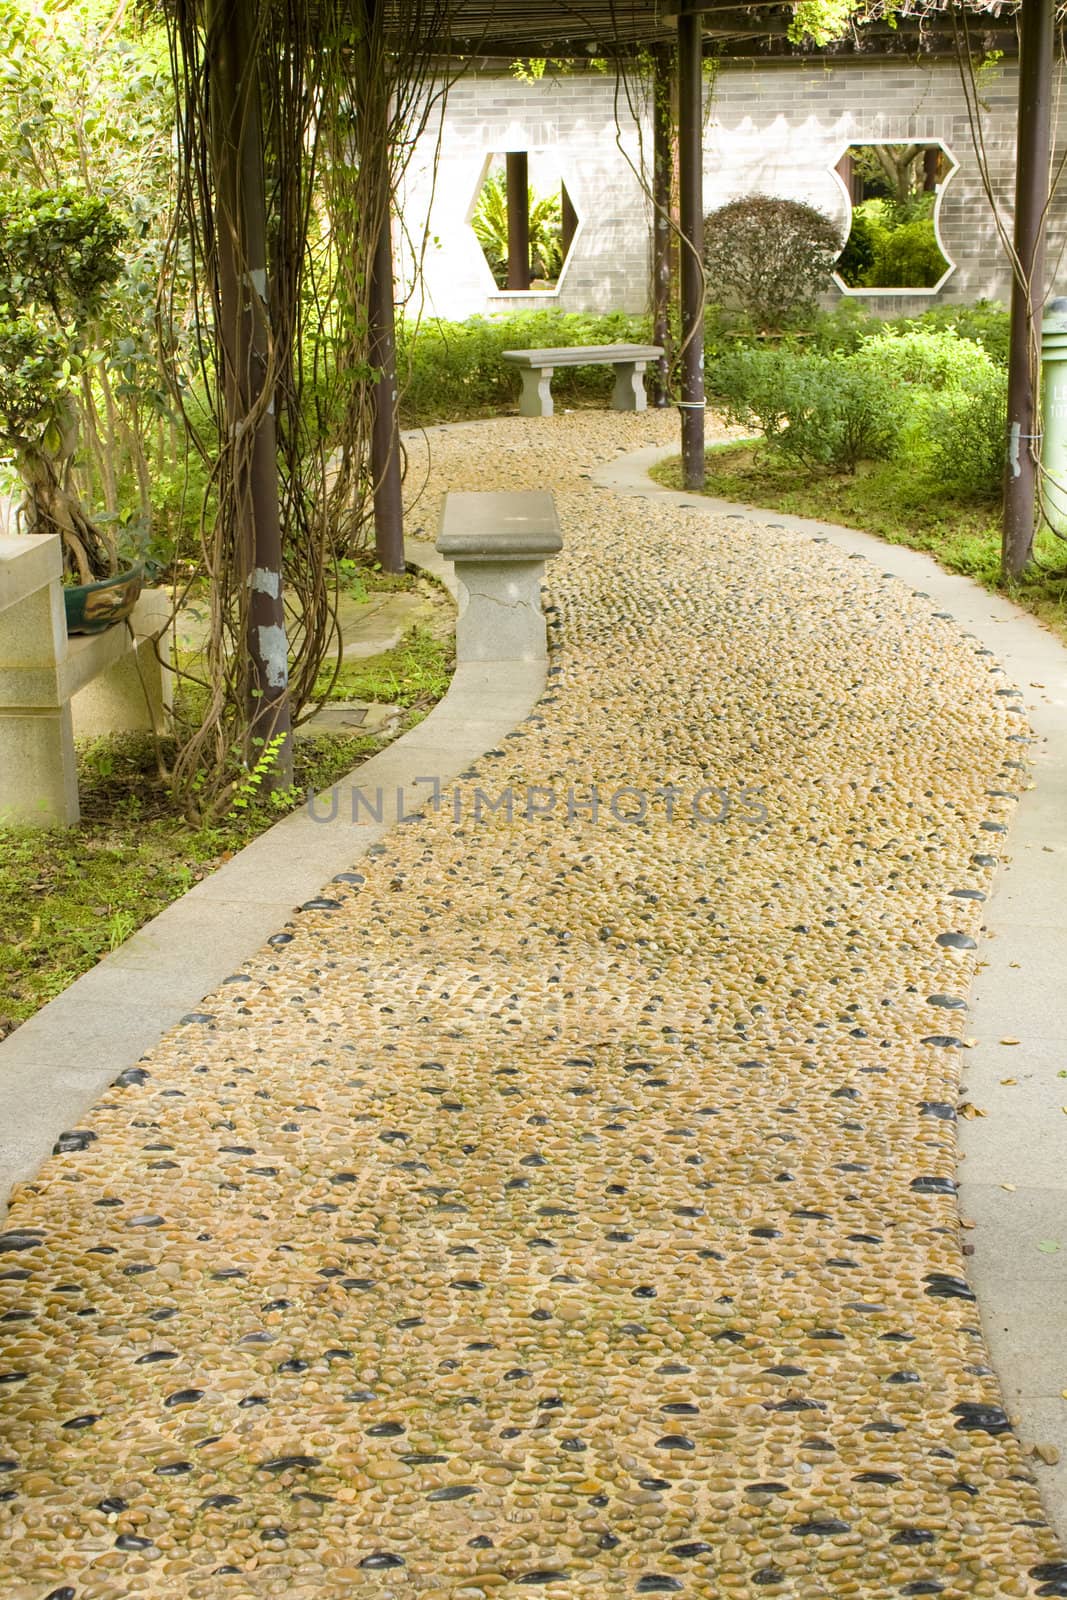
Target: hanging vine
[{"x": 340, "y": 94}]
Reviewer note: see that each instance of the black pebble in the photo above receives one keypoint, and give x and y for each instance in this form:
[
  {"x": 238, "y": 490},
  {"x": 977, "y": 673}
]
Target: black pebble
[
  {"x": 686, "y": 1552},
  {"x": 184, "y": 1397},
  {"x": 656, "y": 1583},
  {"x": 380, "y": 1560},
  {"x": 942, "y": 1286},
  {"x": 454, "y": 1491},
  {"x": 974, "y": 1418}
]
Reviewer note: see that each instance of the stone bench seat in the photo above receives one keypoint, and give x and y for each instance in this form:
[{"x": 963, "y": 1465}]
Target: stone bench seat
[
  {"x": 499, "y": 541},
  {"x": 537, "y": 366},
  {"x": 53, "y": 688}
]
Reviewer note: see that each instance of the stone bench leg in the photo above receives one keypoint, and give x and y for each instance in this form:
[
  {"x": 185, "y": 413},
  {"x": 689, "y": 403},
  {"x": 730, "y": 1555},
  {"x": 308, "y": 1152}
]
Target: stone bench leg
[
  {"x": 499, "y": 615},
  {"x": 136, "y": 694},
  {"x": 629, "y": 393},
  {"x": 536, "y": 397},
  {"x": 38, "y": 775}
]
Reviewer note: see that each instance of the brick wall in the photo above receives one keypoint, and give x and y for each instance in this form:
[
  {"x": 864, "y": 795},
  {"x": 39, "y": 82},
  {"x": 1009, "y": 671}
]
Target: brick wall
[{"x": 774, "y": 127}]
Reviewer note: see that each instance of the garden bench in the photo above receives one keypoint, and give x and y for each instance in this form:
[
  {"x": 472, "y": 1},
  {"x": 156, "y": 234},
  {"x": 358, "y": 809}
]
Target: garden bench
[
  {"x": 52, "y": 686},
  {"x": 499, "y": 542},
  {"x": 537, "y": 367}
]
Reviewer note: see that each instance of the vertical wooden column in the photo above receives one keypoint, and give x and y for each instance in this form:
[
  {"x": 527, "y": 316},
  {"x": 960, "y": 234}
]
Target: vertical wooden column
[
  {"x": 568, "y": 218},
  {"x": 691, "y": 194},
  {"x": 518, "y": 184},
  {"x": 385, "y": 435},
  {"x": 1028, "y": 287},
  {"x": 662, "y": 169},
  {"x": 240, "y": 234}
]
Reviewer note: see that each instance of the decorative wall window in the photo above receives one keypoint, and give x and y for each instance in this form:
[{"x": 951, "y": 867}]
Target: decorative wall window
[
  {"x": 525, "y": 221},
  {"x": 894, "y": 191}
]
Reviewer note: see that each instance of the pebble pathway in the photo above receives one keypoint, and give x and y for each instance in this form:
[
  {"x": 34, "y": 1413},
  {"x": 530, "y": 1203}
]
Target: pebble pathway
[{"x": 564, "y": 1206}]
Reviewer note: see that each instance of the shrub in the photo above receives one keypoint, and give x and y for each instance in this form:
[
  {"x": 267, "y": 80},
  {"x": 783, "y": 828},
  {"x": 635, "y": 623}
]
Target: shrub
[
  {"x": 869, "y": 229},
  {"x": 932, "y": 358},
  {"x": 771, "y": 256},
  {"x": 828, "y": 413},
  {"x": 908, "y": 257},
  {"x": 986, "y": 323},
  {"x": 965, "y": 436}
]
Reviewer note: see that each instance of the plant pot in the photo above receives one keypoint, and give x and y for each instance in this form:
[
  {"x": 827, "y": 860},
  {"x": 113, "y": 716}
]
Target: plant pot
[{"x": 93, "y": 607}]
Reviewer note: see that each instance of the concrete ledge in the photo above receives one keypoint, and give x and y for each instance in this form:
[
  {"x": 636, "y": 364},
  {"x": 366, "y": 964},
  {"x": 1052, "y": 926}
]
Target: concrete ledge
[
  {"x": 1013, "y": 1178},
  {"x": 56, "y": 1065}
]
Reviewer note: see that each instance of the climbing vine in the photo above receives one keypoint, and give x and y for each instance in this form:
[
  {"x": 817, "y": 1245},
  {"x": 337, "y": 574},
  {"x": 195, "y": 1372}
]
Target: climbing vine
[{"x": 339, "y": 104}]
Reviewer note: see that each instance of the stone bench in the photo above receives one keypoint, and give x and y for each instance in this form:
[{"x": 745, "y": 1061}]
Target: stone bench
[
  {"x": 499, "y": 543},
  {"x": 53, "y": 687},
  {"x": 537, "y": 367}
]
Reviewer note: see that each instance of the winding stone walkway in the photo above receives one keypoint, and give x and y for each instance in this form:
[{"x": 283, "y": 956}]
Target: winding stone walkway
[{"x": 565, "y": 1204}]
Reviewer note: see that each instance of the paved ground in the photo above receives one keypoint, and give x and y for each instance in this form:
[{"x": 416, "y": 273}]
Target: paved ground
[{"x": 568, "y": 1204}]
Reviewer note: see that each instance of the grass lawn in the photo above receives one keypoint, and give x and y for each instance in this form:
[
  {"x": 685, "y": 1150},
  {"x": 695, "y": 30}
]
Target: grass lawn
[
  {"x": 69, "y": 895},
  {"x": 884, "y": 498}
]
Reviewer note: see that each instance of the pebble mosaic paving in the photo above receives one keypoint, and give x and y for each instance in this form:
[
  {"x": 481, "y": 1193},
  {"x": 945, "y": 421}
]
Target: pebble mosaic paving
[{"x": 558, "y": 1205}]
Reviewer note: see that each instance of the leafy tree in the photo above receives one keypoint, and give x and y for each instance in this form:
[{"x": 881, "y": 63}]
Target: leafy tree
[
  {"x": 86, "y": 100},
  {"x": 59, "y": 255}
]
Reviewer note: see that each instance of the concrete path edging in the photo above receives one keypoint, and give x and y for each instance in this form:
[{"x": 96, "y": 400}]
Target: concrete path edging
[
  {"x": 57, "y": 1063},
  {"x": 1013, "y": 1178}
]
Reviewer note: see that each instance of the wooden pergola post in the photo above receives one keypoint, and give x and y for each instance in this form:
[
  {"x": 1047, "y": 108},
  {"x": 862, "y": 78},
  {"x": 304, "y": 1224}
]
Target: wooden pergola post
[
  {"x": 518, "y": 185},
  {"x": 691, "y": 195},
  {"x": 1033, "y": 140},
  {"x": 240, "y": 242},
  {"x": 385, "y": 435},
  {"x": 662, "y": 170}
]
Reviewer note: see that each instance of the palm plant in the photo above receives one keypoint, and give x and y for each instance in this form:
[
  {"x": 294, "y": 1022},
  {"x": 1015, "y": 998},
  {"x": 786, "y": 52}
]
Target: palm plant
[{"x": 490, "y": 224}]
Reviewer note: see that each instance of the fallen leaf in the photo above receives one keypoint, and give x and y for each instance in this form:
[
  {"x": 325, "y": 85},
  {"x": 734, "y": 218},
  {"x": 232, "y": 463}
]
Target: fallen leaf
[
  {"x": 1008, "y": 1080},
  {"x": 1048, "y": 1247},
  {"x": 1009, "y": 1186},
  {"x": 1062, "y": 1073},
  {"x": 1014, "y": 963},
  {"x": 968, "y": 1222},
  {"x": 1048, "y": 1453},
  {"x": 966, "y": 1109},
  {"x": 1009, "y": 1040}
]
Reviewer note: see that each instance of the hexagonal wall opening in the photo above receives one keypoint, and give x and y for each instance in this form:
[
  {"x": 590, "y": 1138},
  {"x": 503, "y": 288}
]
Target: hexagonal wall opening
[
  {"x": 525, "y": 221},
  {"x": 895, "y": 190}
]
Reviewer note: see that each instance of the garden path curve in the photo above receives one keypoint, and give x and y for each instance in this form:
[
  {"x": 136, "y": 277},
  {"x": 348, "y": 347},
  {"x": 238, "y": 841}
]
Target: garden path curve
[{"x": 567, "y": 1203}]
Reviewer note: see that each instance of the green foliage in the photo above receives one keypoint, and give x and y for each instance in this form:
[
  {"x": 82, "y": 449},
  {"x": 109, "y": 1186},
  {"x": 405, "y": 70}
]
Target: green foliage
[
  {"x": 58, "y": 247},
  {"x": 985, "y": 323},
  {"x": 772, "y": 257},
  {"x": 965, "y": 435},
  {"x": 416, "y": 673},
  {"x": 908, "y": 257},
  {"x": 931, "y": 358},
  {"x": 861, "y": 247},
  {"x": 821, "y": 21},
  {"x": 490, "y": 224},
  {"x": 827, "y": 413},
  {"x": 58, "y": 256}
]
